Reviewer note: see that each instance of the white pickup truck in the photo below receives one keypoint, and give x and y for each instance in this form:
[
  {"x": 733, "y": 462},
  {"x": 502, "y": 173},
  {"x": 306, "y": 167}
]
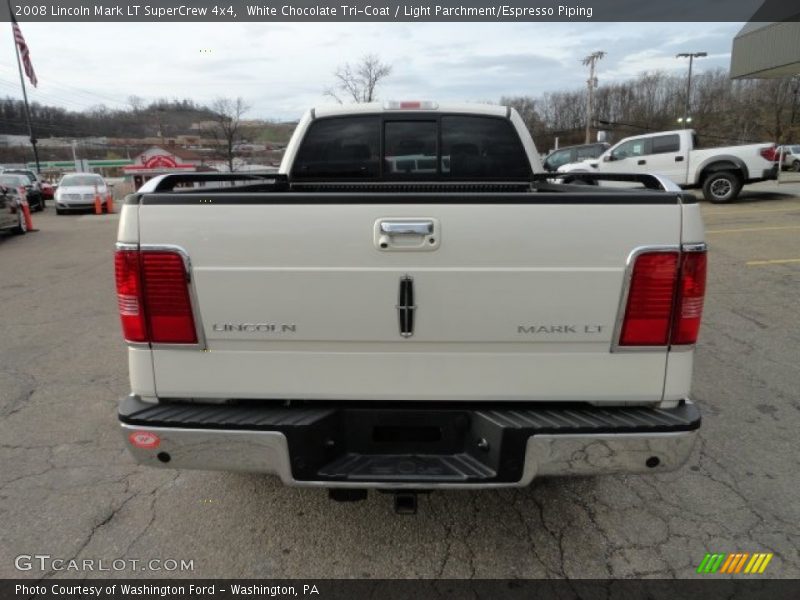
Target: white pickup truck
[
  {"x": 720, "y": 172},
  {"x": 409, "y": 305}
]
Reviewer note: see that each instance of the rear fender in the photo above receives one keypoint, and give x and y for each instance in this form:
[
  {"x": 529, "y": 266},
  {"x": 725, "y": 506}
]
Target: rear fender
[{"x": 722, "y": 163}]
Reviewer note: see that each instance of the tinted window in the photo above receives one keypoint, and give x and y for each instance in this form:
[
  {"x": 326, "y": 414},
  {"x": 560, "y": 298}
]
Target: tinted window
[
  {"x": 410, "y": 148},
  {"x": 471, "y": 147},
  {"x": 482, "y": 147},
  {"x": 346, "y": 147},
  {"x": 594, "y": 151},
  {"x": 666, "y": 143}
]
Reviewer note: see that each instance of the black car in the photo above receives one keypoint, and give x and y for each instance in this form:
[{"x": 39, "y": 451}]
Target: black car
[
  {"x": 11, "y": 216},
  {"x": 571, "y": 154},
  {"x": 14, "y": 178}
]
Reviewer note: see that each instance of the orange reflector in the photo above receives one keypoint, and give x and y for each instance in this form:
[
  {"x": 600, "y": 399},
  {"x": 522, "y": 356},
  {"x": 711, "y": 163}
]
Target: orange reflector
[{"x": 144, "y": 440}]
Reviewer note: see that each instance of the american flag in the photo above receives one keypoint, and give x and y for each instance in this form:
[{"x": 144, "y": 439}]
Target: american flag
[{"x": 24, "y": 53}]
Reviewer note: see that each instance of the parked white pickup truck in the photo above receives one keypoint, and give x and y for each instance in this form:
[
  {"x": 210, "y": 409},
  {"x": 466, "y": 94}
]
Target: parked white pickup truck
[
  {"x": 409, "y": 305},
  {"x": 720, "y": 172}
]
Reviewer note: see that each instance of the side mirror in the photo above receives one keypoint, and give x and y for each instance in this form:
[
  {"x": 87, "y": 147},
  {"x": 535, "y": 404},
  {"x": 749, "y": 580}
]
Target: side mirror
[{"x": 608, "y": 158}]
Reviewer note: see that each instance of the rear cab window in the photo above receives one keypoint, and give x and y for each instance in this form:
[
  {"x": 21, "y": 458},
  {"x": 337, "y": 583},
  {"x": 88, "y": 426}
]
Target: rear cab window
[
  {"x": 411, "y": 147},
  {"x": 342, "y": 147}
]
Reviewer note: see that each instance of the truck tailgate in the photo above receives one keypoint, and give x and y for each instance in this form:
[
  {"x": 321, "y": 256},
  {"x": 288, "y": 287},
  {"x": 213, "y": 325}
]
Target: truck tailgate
[{"x": 512, "y": 301}]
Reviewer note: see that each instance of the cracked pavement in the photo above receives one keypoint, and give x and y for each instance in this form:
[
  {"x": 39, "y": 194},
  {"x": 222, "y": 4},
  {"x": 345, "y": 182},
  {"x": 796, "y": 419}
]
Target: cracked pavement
[{"x": 69, "y": 489}]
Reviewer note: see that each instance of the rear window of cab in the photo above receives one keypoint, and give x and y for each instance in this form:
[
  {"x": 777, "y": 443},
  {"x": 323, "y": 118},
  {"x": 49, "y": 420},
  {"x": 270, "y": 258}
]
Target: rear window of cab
[{"x": 401, "y": 147}]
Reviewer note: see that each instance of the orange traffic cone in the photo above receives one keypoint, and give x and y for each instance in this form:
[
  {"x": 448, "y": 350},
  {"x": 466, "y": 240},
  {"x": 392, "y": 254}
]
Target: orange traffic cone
[
  {"x": 109, "y": 203},
  {"x": 26, "y": 210},
  {"x": 98, "y": 205}
]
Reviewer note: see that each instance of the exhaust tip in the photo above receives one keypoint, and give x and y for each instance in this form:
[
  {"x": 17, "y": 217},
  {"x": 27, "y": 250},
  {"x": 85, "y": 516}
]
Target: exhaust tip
[{"x": 653, "y": 462}]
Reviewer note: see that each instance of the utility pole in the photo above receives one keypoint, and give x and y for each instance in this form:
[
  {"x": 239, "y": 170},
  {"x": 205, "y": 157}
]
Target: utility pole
[
  {"x": 591, "y": 83},
  {"x": 691, "y": 56}
]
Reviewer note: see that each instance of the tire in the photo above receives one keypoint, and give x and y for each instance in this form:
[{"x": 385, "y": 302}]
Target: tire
[
  {"x": 796, "y": 166},
  {"x": 721, "y": 187},
  {"x": 20, "y": 229}
]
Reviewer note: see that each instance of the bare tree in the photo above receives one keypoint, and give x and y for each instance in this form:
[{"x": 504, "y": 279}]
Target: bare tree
[
  {"x": 136, "y": 103},
  {"x": 227, "y": 128},
  {"x": 358, "y": 83}
]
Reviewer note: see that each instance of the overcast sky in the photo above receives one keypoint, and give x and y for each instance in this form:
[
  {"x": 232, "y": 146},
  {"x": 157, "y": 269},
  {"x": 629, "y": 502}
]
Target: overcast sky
[{"x": 282, "y": 69}]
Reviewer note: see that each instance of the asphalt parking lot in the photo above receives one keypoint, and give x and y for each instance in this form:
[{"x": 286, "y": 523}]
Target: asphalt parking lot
[{"x": 69, "y": 489}]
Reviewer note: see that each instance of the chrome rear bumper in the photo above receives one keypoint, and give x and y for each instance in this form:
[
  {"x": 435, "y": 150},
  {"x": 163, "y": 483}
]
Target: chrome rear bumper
[{"x": 630, "y": 443}]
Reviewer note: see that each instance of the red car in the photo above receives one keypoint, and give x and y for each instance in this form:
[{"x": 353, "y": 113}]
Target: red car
[{"x": 48, "y": 190}]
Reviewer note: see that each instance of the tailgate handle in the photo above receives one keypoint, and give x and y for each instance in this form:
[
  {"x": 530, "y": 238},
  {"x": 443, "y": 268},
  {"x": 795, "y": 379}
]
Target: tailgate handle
[{"x": 407, "y": 227}]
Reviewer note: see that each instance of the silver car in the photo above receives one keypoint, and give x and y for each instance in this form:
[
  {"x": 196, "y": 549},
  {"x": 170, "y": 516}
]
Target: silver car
[
  {"x": 76, "y": 191},
  {"x": 791, "y": 157}
]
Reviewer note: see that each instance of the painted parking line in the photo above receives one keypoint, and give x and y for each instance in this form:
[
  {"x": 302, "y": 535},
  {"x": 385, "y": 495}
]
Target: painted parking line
[
  {"x": 748, "y": 229},
  {"x": 776, "y": 261},
  {"x": 723, "y": 213}
]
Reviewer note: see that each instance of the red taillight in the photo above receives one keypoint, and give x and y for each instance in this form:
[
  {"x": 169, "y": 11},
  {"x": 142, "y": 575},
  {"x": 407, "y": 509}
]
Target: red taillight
[
  {"x": 650, "y": 297},
  {"x": 166, "y": 298},
  {"x": 129, "y": 296},
  {"x": 153, "y": 297},
  {"x": 771, "y": 153},
  {"x": 689, "y": 302},
  {"x": 665, "y": 299}
]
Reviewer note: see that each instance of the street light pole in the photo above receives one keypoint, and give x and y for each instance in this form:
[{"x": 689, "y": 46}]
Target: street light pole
[
  {"x": 591, "y": 60},
  {"x": 691, "y": 56}
]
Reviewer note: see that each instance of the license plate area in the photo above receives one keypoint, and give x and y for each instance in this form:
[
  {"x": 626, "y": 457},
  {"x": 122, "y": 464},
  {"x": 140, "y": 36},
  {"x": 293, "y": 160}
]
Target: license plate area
[
  {"x": 403, "y": 432},
  {"x": 396, "y": 445}
]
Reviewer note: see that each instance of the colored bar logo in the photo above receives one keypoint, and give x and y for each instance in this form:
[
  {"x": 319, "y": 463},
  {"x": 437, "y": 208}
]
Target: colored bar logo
[{"x": 735, "y": 563}]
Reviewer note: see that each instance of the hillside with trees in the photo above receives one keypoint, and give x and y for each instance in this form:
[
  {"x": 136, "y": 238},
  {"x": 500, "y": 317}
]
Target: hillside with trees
[
  {"x": 130, "y": 130},
  {"x": 165, "y": 117}
]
